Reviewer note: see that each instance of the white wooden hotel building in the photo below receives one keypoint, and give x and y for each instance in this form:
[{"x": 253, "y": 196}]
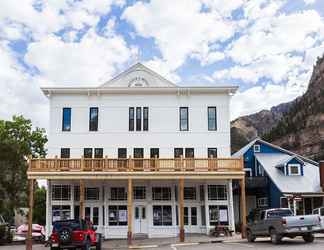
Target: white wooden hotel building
[{"x": 140, "y": 156}]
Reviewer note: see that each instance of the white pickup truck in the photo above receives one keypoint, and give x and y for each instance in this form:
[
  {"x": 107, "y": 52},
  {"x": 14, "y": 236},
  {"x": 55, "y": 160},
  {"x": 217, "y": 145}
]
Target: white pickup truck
[
  {"x": 280, "y": 222},
  {"x": 320, "y": 211}
]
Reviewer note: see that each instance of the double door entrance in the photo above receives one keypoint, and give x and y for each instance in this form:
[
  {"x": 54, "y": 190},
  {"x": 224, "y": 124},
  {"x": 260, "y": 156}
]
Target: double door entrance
[{"x": 140, "y": 220}]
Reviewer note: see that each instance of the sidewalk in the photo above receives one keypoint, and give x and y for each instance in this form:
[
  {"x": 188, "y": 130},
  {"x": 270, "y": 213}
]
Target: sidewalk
[{"x": 192, "y": 239}]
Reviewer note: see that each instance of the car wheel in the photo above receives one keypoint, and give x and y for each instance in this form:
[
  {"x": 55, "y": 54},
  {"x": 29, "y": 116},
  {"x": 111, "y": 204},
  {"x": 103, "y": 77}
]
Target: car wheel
[
  {"x": 250, "y": 237},
  {"x": 275, "y": 238},
  {"x": 87, "y": 245},
  {"x": 65, "y": 235},
  {"x": 54, "y": 248},
  {"x": 309, "y": 238},
  {"x": 98, "y": 243}
]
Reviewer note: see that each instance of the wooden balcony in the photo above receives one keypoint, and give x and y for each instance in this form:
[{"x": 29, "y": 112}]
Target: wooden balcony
[{"x": 145, "y": 166}]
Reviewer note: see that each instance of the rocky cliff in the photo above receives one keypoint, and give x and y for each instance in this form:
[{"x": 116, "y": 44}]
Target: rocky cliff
[{"x": 297, "y": 126}]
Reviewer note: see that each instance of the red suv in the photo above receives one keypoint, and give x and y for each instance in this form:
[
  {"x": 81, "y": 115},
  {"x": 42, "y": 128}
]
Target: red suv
[{"x": 74, "y": 234}]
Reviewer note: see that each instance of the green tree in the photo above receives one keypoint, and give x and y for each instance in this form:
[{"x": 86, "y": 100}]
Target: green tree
[
  {"x": 18, "y": 141},
  {"x": 39, "y": 213}
]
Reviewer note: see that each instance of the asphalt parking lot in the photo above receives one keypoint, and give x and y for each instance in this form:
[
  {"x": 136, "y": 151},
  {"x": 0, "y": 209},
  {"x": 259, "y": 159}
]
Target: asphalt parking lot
[{"x": 263, "y": 244}]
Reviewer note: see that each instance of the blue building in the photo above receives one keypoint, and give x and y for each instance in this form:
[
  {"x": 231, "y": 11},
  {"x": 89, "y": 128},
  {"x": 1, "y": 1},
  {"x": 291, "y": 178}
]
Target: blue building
[{"x": 276, "y": 177}]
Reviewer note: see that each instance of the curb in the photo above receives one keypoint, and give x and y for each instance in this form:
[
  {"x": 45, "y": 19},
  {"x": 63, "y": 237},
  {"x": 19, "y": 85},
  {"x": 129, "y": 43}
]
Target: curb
[{"x": 172, "y": 245}]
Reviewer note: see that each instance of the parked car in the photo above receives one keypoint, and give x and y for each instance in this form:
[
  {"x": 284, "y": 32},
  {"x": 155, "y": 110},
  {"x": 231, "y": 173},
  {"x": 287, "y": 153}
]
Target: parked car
[
  {"x": 38, "y": 232},
  {"x": 280, "y": 222},
  {"x": 77, "y": 233},
  {"x": 320, "y": 211},
  {"x": 5, "y": 232}
]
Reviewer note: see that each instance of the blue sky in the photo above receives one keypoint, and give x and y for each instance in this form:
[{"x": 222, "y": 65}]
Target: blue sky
[{"x": 266, "y": 47}]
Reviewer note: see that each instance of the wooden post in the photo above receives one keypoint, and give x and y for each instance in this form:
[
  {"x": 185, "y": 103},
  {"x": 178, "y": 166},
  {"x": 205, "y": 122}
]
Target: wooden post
[
  {"x": 82, "y": 212},
  {"x": 243, "y": 208},
  {"x": 181, "y": 208},
  {"x": 82, "y": 163},
  {"x": 130, "y": 210},
  {"x": 29, "y": 241}
]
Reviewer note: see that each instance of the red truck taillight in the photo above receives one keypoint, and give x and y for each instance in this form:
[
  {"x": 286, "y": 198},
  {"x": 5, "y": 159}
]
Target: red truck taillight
[
  {"x": 54, "y": 237},
  {"x": 284, "y": 222}
]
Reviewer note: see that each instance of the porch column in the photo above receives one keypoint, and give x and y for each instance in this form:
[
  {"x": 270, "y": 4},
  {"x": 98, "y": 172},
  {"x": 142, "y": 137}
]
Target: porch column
[
  {"x": 181, "y": 210},
  {"x": 82, "y": 212},
  {"x": 29, "y": 241},
  {"x": 231, "y": 205},
  {"x": 48, "y": 208},
  {"x": 130, "y": 210},
  {"x": 243, "y": 208}
]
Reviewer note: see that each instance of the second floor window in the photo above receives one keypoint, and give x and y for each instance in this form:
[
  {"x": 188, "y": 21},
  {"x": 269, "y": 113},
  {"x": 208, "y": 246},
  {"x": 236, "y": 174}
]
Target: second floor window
[
  {"x": 212, "y": 152},
  {"x": 87, "y": 153},
  {"x": 98, "y": 153},
  {"x": 65, "y": 153},
  {"x": 184, "y": 126},
  {"x": 212, "y": 119},
  {"x": 138, "y": 118},
  {"x": 145, "y": 118},
  {"x": 93, "y": 119},
  {"x": 66, "y": 121},
  {"x": 131, "y": 118}
]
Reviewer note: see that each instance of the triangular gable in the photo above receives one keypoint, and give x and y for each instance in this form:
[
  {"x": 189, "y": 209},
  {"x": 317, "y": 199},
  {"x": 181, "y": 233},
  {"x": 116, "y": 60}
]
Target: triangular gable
[
  {"x": 138, "y": 76},
  {"x": 288, "y": 159}
]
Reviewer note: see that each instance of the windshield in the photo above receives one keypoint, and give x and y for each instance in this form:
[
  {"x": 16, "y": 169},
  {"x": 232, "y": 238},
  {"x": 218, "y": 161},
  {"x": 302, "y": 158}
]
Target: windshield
[
  {"x": 279, "y": 213},
  {"x": 72, "y": 224}
]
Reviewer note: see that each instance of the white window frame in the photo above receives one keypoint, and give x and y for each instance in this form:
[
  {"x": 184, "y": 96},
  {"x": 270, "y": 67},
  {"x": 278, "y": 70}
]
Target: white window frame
[
  {"x": 249, "y": 170},
  {"x": 256, "y": 148},
  {"x": 264, "y": 202},
  {"x": 294, "y": 165}
]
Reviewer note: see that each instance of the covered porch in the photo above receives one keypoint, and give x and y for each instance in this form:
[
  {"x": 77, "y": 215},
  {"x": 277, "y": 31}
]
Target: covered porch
[{"x": 165, "y": 209}]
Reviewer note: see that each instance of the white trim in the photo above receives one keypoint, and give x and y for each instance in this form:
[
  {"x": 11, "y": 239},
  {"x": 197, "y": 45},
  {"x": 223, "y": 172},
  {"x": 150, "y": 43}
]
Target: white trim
[
  {"x": 248, "y": 170},
  {"x": 256, "y": 148},
  {"x": 294, "y": 165}
]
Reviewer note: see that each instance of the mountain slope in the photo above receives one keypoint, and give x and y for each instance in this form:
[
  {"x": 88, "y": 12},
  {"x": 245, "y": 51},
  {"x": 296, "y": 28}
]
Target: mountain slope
[{"x": 297, "y": 126}]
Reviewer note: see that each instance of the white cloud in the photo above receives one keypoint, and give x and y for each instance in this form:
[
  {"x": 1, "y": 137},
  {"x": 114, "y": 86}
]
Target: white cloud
[
  {"x": 309, "y": 1},
  {"x": 259, "y": 98},
  {"x": 79, "y": 63},
  {"x": 162, "y": 68},
  {"x": 181, "y": 29},
  {"x": 20, "y": 93},
  {"x": 52, "y": 15}
]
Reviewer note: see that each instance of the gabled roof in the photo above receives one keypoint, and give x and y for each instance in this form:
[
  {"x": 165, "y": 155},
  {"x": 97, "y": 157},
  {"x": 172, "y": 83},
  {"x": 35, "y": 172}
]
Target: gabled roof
[
  {"x": 288, "y": 158},
  {"x": 138, "y": 72},
  {"x": 243, "y": 150},
  {"x": 308, "y": 183}
]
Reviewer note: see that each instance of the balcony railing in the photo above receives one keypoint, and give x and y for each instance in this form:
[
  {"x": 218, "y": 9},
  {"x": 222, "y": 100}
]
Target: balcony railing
[{"x": 136, "y": 165}]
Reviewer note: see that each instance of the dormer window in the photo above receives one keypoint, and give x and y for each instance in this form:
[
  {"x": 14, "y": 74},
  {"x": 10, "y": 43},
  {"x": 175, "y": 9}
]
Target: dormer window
[
  {"x": 257, "y": 148},
  {"x": 293, "y": 169}
]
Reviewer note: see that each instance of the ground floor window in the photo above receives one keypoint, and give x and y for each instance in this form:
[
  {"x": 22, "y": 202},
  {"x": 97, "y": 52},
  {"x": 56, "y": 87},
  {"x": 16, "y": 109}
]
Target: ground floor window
[
  {"x": 217, "y": 192},
  {"x": 117, "y": 215},
  {"x": 189, "y": 193},
  {"x": 118, "y": 194},
  {"x": 262, "y": 202},
  {"x": 162, "y": 216},
  {"x": 161, "y": 193},
  {"x": 218, "y": 215},
  {"x": 61, "y": 213},
  {"x": 61, "y": 192},
  {"x": 203, "y": 215},
  {"x": 92, "y": 194}
]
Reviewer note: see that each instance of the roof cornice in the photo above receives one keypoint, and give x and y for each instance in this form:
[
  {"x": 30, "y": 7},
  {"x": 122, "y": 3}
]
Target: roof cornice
[{"x": 185, "y": 90}]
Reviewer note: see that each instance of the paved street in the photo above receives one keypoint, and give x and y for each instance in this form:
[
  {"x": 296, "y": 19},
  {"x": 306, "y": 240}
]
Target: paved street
[{"x": 237, "y": 245}]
